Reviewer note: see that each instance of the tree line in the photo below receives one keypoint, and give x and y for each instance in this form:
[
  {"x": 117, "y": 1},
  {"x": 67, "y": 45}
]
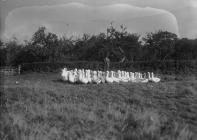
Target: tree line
[{"x": 117, "y": 44}]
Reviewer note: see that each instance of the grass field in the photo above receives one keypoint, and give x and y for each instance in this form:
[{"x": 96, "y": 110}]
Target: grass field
[{"x": 41, "y": 107}]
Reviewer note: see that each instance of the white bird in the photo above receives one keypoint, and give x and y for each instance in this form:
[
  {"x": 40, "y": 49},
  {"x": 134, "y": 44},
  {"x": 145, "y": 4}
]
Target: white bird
[
  {"x": 82, "y": 78},
  {"x": 155, "y": 79},
  {"x": 113, "y": 76},
  {"x": 149, "y": 77},
  {"x": 103, "y": 75},
  {"x": 123, "y": 77},
  {"x": 135, "y": 77},
  {"x": 127, "y": 76},
  {"x": 71, "y": 77},
  {"x": 107, "y": 78},
  {"x": 132, "y": 77},
  {"x": 64, "y": 74},
  {"x": 143, "y": 79},
  {"x": 76, "y": 75},
  {"x": 88, "y": 76},
  {"x": 95, "y": 78},
  {"x": 152, "y": 78}
]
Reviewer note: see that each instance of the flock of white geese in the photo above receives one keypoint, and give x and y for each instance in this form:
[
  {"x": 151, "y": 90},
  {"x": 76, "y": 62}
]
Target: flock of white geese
[{"x": 89, "y": 76}]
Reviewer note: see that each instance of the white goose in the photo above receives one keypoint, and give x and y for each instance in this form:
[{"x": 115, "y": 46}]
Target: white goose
[
  {"x": 122, "y": 76},
  {"x": 82, "y": 78},
  {"x": 155, "y": 79},
  {"x": 119, "y": 73},
  {"x": 103, "y": 75},
  {"x": 95, "y": 78},
  {"x": 76, "y": 75},
  {"x": 127, "y": 76},
  {"x": 88, "y": 72},
  {"x": 132, "y": 77},
  {"x": 71, "y": 77},
  {"x": 79, "y": 76},
  {"x": 88, "y": 76},
  {"x": 64, "y": 74},
  {"x": 143, "y": 79},
  {"x": 149, "y": 77},
  {"x": 107, "y": 78},
  {"x": 136, "y": 77},
  {"x": 113, "y": 76}
]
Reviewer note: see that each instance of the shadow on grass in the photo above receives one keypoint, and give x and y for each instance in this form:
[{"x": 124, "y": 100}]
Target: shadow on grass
[{"x": 66, "y": 82}]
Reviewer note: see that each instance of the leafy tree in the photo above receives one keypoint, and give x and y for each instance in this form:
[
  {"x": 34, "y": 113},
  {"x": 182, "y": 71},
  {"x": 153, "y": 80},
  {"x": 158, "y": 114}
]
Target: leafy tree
[
  {"x": 2, "y": 54},
  {"x": 26, "y": 55},
  {"x": 12, "y": 49},
  {"x": 124, "y": 44},
  {"x": 45, "y": 45},
  {"x": 39, "y": 37},
  {"x": 160, "y": 45},
  {"x": 52, "y": 46},
  {"x": 186, "y": 49},
  {"x": 66, "y": 46},
  {"x": 38, "y": 44},
  {"x": 1, "y": 43},
  {"x": 117, "y": 44}
]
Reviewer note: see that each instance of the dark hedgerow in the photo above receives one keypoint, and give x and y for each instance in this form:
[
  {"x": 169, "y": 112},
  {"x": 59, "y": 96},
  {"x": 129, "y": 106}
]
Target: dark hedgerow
[{"x": 165, "y": 67}]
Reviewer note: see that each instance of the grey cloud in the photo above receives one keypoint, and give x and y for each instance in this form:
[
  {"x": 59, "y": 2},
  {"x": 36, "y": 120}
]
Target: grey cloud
[
  {"x": 181, "y": 9},
  {"x": 76, "y": 18}
]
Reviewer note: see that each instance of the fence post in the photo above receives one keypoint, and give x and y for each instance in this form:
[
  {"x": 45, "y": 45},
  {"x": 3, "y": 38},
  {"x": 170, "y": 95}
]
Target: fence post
[
  {"x": 19, "y": 69},
  {"x": 11, "y": 72}
]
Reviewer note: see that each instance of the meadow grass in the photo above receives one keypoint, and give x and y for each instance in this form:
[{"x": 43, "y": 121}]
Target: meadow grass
[{"x": 42, "y": 107}]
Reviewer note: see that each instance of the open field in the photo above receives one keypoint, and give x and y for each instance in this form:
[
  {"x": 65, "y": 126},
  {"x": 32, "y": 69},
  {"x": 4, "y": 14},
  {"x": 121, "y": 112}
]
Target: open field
[{"x": 40, "y": 107}]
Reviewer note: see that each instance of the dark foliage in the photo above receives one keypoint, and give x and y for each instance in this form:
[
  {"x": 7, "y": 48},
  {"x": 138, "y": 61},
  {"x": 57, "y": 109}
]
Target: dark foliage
[
  {"x": 165, "y": 67},
  {"x": 160, "y": 51}
]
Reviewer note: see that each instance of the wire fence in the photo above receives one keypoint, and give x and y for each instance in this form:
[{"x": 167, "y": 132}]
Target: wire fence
[
  {"x": 167, "y": 66},
  {"x": 10, "y": 70}
]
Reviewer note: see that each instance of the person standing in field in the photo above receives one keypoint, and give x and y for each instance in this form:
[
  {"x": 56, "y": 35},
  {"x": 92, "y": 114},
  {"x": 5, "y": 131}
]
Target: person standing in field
[{"x": 107, "y": 63}]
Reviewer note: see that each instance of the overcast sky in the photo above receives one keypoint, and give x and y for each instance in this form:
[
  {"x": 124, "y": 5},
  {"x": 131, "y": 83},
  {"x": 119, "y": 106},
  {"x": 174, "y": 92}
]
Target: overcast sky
[{"x": 21, "y": 18}]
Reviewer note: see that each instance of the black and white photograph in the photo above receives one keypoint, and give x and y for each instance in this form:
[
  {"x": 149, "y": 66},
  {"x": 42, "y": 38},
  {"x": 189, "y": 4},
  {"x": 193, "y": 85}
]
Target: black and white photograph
[{"x": 98, "y": 69}]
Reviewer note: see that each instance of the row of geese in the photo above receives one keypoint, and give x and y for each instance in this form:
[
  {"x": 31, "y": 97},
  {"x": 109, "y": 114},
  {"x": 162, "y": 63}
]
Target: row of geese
[{"x": 89, "y": 76}]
